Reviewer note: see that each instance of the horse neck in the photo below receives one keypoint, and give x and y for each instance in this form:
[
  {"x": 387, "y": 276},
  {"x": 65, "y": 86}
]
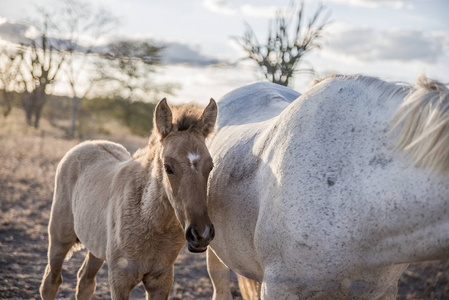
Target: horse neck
[{"x": 154, "y": 203}]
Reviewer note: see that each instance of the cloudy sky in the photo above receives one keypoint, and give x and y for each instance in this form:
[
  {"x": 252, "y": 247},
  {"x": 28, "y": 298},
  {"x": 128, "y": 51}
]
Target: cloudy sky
[{"x": 392, "y": 39}]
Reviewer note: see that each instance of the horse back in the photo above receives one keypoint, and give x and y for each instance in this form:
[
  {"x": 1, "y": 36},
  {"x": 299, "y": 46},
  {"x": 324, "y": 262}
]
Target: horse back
[
  {"x": 91, "y": 160},
  {"x": 84, "y": 186},
  {"x": 333, "y": 178},
  {"x": 254, "y": 103}
]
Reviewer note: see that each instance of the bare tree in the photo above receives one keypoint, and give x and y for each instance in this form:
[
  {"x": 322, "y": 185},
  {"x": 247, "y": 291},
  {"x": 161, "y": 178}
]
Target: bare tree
[
  {"x": 9, "y": 75},
  {"x": 281, "y": 55},
  {"x": 83, "y": 26},
  {"x": 42, "y": 60},
  {"x": 131, "y": 66}
]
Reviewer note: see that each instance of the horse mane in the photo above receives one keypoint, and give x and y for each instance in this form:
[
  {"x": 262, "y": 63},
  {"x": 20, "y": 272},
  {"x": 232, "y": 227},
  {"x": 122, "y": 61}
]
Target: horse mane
[
  {"x": 424, "y": 121},
  {"x": 422, "y": 118},
  {"x": 186, "y": 117},
  {"x": 372, "y": 85}
]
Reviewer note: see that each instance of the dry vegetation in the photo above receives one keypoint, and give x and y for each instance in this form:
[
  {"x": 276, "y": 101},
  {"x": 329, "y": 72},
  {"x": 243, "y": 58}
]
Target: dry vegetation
[{"x": 28, "y": 160}]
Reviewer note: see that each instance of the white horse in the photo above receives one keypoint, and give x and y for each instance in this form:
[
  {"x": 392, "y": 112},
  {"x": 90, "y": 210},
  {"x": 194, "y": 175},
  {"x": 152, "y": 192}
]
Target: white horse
[{"x": 328, "y": 195}]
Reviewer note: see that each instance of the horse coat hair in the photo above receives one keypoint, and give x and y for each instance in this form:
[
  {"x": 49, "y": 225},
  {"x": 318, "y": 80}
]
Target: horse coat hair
[{"x": 329, "y": 194}]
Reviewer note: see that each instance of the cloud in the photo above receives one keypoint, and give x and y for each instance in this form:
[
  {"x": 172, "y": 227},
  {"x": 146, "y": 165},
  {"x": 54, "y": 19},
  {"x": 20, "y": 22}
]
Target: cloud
[
  {"x": 388, "y": 45},
  {"x": 25, "y": 34},
  {"x": 249, "y": 10},
  {"x": 178, "y": 53},
  {"x": 200, "y": 84},
  {"x": 397, "y": 4},
  {"x": 222, "y": 7},
  {"x": 13, "y": 32},
  {"x": 175, "y": 53}
]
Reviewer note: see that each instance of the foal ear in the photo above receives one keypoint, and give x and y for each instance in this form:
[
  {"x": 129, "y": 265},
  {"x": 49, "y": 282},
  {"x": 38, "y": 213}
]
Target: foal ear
[
  {"x": 209, "y": 117},
  {"x": 163, "y": 118}
]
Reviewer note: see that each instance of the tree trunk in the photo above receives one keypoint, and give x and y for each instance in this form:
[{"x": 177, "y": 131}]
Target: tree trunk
[
  {"x": 27, "y": 104},
  {"x": 37, "y": 115},
  {"x": 40, "y": 102},
  {"x": 76, "y": 101},
  {"x": 33, "y": 103},
  {"x": 7, "y": 98}
]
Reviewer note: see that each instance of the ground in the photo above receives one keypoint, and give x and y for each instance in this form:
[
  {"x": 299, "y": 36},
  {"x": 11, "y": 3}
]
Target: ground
[{"x": 28, "y": 160}]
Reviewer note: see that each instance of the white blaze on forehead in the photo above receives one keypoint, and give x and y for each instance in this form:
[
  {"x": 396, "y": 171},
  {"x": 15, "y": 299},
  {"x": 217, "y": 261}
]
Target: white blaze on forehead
[{"x": 192, "y": 158}]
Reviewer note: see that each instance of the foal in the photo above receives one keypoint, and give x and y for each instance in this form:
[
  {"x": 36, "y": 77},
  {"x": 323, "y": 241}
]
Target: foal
[{"x": 134, "y": 212}]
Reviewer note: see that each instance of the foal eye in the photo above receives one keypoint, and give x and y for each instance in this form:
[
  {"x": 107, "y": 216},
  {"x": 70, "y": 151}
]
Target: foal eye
[{"x": 168, "y": 169}]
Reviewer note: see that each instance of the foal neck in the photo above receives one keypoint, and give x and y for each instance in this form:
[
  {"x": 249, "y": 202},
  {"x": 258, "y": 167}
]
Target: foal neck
[{"x": 155, "y": 206}]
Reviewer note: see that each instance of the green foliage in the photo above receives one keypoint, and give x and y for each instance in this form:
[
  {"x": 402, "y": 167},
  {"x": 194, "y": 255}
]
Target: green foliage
[
  {"x": 100, "y": 116},
  {"x": 129, "y": 65},
  {"x": 136, "y": 115}
]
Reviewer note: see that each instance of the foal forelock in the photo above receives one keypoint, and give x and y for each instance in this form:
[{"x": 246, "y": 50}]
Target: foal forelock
[{"x": 187, "y": 117}]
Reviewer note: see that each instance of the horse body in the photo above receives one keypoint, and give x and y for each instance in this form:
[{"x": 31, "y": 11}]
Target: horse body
[
  {"x": 133, "y": 211},
  {"x": 113, "y": 183},
  {"x": 314, "y": 202}
]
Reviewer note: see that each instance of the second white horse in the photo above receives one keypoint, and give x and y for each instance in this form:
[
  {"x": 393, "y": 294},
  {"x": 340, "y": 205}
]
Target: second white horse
[{"x": 311, "y": 198}]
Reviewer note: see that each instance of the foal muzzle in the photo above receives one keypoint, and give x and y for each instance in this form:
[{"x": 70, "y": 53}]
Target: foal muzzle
[{"x": 198, "y": 242}]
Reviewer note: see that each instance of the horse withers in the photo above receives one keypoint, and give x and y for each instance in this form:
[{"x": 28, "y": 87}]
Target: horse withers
[
  {"x": 133, "y": 212},
  {"x": 329, "y": 194}
]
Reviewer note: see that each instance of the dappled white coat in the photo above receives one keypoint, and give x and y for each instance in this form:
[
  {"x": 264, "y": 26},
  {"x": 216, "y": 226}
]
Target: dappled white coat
[{"x": 310, "y": 198}]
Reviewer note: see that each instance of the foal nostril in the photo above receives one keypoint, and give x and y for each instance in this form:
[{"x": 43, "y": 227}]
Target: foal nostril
[
  {"x": 212, "y": 232},
  {"x": 192, "y": 235}
]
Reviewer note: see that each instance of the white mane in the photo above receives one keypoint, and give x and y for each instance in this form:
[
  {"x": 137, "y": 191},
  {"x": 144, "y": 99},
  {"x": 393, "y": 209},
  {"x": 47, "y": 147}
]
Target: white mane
[
  {"x": 424, "y": 117},
  {"x": 373, "y": 85}
]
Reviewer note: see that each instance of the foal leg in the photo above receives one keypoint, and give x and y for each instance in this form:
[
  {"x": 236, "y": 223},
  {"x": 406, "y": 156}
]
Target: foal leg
[
  {"x": 158, "y": 287},
  {"x": 219, "y": 275},
  {"x": 61, "y": 238},
  {"x": 86, "y": 276},
  {"x": 52, "y": 276},
  {"x": 122, "y": 281}
]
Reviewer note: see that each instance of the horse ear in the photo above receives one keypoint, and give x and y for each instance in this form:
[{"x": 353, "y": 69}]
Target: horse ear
[
  {"x": 209, "y": 117},
  {"x": 163, "y": 118}
]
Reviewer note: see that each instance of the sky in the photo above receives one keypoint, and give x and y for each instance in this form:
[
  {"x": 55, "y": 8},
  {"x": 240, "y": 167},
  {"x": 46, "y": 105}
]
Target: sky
[{"x": 395, "y": 40}]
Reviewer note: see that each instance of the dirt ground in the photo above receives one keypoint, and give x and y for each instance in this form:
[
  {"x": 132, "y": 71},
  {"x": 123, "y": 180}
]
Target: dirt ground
[{"x": 27, "y": 167}]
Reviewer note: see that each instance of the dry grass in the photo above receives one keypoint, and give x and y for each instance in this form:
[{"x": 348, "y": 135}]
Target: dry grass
[{"x": 28, "y": 160}]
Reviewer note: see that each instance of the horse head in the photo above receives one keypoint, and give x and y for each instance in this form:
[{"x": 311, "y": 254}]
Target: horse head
[{"x": 187, "y": 163}]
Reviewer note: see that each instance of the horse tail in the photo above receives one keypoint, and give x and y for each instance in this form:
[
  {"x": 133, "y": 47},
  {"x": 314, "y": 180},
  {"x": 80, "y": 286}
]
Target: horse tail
[
  {"x": 75, "y": 248},
  {"x": 249, "y": 288},
  {"x": 424, "y": 117}
]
